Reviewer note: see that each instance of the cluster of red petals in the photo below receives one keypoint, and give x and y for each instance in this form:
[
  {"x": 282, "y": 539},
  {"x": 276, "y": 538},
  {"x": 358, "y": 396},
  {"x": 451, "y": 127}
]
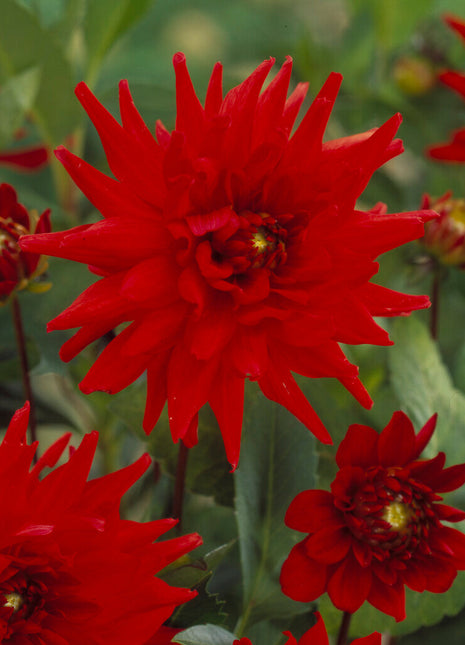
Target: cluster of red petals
[
  {"x": 232, "y": 248},
  {"x": 380, "y": 527},
  {"x": 445, "y": 236},
  {"x": 71, "y": 571},
  {"x": 455, "y": 149},
  {"x": 317, "y": 635},
  {"x": 17, "y": 267}
]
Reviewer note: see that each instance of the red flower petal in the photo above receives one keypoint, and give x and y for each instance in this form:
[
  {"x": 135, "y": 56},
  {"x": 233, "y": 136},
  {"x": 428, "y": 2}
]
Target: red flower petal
[
  {"x": 349, "y": 585},
  {"x": 302, "y": 578}
]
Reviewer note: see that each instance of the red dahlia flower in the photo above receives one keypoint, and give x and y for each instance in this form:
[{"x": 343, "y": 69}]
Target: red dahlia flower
[
  {"x": 18, "y": 268},
  {"x": 455, "y": 150},
  {"x": 380, "y": 527},
  {"x": 71, "y": 571},
  {"x": 233, "y": 249},
  {"x": 317, "y": 635}
]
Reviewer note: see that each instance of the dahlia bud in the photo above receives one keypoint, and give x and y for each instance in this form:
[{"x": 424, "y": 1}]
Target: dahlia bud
[
  {"x": 19, "y": 269},
  {"x": 414, "y": 75},
  {"x": 445, "y": 236}
]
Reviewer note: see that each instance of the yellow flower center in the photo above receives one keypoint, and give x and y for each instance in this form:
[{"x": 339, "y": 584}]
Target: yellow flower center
[
  {"x": 397, "y": 515},
  {"x": 259, "y": 241},
  {"x": 14, "y": 600}
]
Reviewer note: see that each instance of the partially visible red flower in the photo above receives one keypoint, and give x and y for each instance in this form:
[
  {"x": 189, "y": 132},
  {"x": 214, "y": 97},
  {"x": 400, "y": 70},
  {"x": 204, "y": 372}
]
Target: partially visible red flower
[
  {"x": 27, "y": 158},
  {"x": 317, "y": 635},
  {"x": 445, "y": 236},
  {"x": 380, "y": 527},
  {"x": 455, "y": 149},
  {"x": 71, "y": 570},
  {"x": 233, "y": 250},
  {"x": 18, "y": 269}
]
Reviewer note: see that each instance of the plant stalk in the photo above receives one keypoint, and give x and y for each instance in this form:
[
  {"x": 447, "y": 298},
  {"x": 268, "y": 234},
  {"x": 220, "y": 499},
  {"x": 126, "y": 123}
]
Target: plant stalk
[
  {"x": 22, "y": 351},
  {"x": 435, "y": 290},
  {"x": 180, "y": 484},
  {"x": 344, "y": 628}
]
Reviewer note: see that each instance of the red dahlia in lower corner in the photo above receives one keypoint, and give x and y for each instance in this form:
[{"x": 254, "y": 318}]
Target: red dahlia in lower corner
[
  {"x": 380, "y": 528},
  {"x": 72, "y": 572},
  {"x": 317, "y": 635},
  {"x": 232, "y": 248}
]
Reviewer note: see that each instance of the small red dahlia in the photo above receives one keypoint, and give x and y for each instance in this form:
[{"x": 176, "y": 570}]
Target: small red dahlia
[
  {"x": 71, "y": 570},
  {"x": 232, "y": 248},
  {"x": 317, "y": 635},
  {"x": 19, "y": 268},
  {"x": 380, "y": 527},
  {"x": 455, "y": 149}
]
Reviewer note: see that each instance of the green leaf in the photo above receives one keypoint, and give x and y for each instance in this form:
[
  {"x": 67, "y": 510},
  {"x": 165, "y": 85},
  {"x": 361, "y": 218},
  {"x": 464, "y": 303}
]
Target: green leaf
[
  {"x": 204, "y": 608},
  {"x": 277, "y": 462},
  {"x": 16, "y": 98},
  {"x": 105, "y": 21},
  {"x": 190, "y": 572},
  {"x": 28, "y": 45},
  {"x": 424, "y": 386},
  {"x": 205, "y": 635}
]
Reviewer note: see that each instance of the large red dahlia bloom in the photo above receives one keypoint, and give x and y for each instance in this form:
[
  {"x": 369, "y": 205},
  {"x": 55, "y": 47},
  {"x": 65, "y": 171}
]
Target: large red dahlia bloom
[
  {"x": 455, "y": 149},
  {"x": 317, "y": 635},
  {"x": 72, "y": 571},
  {"x": 380, "y": 527},
  {"x": 19, "y": 269},
  {"x": 233, "y": 249}
]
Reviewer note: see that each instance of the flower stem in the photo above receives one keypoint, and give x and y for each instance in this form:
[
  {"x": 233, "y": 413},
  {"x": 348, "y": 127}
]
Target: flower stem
[
  {"x": 21, "y": 344},
  {"x": 434, "y": 319},
  {"x": 180, "y": 484},
  {"x": 344, "y": 628}
]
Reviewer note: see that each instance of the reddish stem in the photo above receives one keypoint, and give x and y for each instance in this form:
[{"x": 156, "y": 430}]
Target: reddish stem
[
  {"x": 22, "y": 351},
  {"x": 180, "y": 484},
  {"x": 344, "y": 628}
]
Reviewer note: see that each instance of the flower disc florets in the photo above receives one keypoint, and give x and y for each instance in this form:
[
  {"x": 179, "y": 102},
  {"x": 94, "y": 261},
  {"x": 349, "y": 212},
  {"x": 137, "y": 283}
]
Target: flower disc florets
[
  {"x": 380, "y": 527},
  {"x": 247, "y": 257}
]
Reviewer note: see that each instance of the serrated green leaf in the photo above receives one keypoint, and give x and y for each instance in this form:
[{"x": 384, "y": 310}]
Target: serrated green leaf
[
  {"x": 16, "y": 98},
  {"x": 204, "y": 608},
  {"x": 277, "y": 462},
  {"x": 27, "y": 45},
  {"x": 205, "y": 635}
]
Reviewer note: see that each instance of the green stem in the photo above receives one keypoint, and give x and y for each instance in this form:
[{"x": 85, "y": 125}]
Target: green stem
[
  {"x": 180, "y": 484},
  {"x": 435, "y": 291},
  {"x": 344, "y": 628},
  {"x": 22, "y": 351}
]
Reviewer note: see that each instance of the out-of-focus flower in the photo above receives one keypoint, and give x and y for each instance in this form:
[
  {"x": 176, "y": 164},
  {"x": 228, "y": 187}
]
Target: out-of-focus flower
[
  {"x": 380, "y": 527},
  {"x": 445, "y": 236},
  {"x": 317, "y": 635},
  {"x": 414, "y": 75},
  {"x": 19, "y": 269},
  {"x": 233, "y": 249},
  {"x": 455, "y": 149},
  {"x": 28, "y": 158},
  {"x": 71, "y": 570}
]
